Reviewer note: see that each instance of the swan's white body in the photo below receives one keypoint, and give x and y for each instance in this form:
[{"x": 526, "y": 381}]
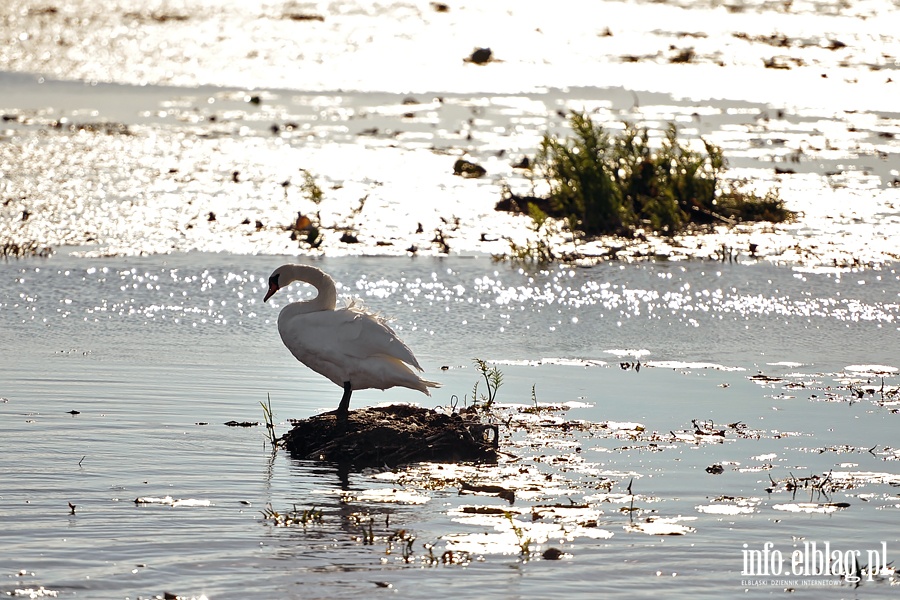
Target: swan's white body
[{"x": 350, "y": 346}]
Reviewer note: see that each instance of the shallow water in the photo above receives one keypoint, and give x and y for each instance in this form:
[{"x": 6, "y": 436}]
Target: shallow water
[{"x": 157, "y": 352}]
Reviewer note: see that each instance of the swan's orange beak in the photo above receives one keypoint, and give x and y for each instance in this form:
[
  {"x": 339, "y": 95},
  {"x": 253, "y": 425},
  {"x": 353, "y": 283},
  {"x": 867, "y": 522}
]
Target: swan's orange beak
[{"x": 273, "y": 287}]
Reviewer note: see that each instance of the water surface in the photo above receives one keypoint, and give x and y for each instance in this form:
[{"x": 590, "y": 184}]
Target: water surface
[{"x": 155, "y": 353}]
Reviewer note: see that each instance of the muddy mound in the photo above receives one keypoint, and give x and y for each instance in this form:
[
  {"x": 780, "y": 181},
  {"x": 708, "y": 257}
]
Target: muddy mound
[{"x": 394, "y": 435}]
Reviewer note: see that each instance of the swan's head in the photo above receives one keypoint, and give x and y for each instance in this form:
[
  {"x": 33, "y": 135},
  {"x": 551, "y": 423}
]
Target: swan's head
[
  {"x": 285, "y": 275},
  {"x": 273, "y": 285}
]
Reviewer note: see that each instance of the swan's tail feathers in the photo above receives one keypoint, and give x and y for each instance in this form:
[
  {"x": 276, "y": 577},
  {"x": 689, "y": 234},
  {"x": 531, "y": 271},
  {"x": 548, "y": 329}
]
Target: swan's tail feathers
[
  {"x": 428, "y": 384},
  {"x": 391, "y": 371}
]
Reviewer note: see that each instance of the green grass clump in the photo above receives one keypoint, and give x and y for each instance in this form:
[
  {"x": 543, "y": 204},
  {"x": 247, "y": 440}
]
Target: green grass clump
[
  {"x": 493, "y": 379},
  {"x": 612, "y": 184}
]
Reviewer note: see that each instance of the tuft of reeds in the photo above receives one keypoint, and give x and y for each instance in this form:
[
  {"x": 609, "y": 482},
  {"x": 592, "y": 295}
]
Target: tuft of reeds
[
  {"x": 613, "y": 184},
  {"x": 405, "y": 539},
  {"x": 524, "y": 543},
  {"x": 293, "y": 517},
  {"x": 535, "y": 408},
  {"x": 10, "y": 249},
  {"x": 269, "y": 417}
]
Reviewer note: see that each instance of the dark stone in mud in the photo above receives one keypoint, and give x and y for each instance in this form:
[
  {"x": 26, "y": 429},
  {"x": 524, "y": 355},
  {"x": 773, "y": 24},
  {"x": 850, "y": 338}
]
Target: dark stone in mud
[
  {"x": 480, "y": 56},
  {"x": 468, "y": 169},
  {"x": 304, "y": 17},
  {"x": 520, "y": 204},
  {"x": 393, "y": 435}
]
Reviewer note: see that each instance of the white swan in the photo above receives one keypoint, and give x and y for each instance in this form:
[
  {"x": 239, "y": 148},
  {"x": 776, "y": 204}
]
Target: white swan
[{"x": 350, "y": 346}]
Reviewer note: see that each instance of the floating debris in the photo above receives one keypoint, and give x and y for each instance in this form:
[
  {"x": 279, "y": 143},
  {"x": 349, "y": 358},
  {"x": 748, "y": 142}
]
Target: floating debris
[
  {"x": 679, "y": 364},
  {"x": 308, "y": 17},
  {"x": 553, "y": 554},
  {"x": 390, "y": 495},
  {"x": 707, "y": 428},
  {"x": 853, "y": 479},
  {"x": 726, "y": 509},
  {"x": 729, "y": 506},
  {"x": 482, "y": 510},
  {"x": 704, "y": 432},
  {"x": 811, "y": 507},
  {"x": 171, "y": 596},
  {"x": 765, "y": 457},
  {"x": 761, "y": 378},
  {"x": 661, "y": 526},
  {"x": 873, "y": 369},
  {"x": 169, "y": 501},
  {"x": 40, "y": 592},
  {"x": 491, "y": 490}
]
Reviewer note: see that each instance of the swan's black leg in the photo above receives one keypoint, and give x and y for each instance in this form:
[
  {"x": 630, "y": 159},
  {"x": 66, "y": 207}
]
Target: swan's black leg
[{"x": 344, "y": 407}]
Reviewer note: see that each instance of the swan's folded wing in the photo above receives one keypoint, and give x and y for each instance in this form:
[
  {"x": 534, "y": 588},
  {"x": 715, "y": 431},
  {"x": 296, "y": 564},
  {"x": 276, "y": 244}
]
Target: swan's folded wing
[
  {"x": 362, "y": 335},
  {"x": 336, "y": 335}
]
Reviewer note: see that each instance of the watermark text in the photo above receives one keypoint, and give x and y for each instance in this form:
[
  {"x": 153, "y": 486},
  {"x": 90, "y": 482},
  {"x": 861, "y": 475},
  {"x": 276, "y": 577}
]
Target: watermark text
[{"x": 812, "y": 559}]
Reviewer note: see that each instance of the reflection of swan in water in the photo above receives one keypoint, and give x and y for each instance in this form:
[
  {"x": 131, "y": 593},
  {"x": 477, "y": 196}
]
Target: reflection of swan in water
[{"x": 350, "y": 346}]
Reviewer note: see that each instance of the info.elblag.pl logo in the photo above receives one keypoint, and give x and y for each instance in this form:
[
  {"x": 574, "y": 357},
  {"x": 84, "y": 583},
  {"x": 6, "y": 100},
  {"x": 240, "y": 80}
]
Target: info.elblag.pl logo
[{"x": 815, "y": 560}]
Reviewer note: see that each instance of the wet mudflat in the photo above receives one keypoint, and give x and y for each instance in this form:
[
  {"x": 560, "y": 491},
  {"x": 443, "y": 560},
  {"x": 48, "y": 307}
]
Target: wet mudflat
[
  {"x": 209, "y": 169},
  {"x": 647, "y": 459}
]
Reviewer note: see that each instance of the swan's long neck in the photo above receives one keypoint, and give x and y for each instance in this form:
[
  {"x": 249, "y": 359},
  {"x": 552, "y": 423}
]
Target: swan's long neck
[{"x": 325, "y": 299}]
